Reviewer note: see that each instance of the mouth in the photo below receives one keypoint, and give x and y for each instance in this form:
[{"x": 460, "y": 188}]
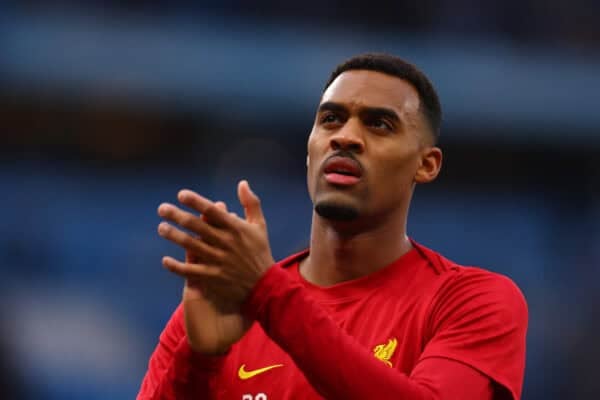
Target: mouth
[{"x": 342, "y": 171}]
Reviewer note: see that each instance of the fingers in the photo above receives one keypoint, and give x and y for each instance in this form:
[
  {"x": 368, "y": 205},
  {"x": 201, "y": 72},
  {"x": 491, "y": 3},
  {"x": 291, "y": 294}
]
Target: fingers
[
  {"x": 189, "y": 270},
  {"x": 251, "y": 204},
  {"x": 221, "y": 205},
  {"x": 191, "y": 257},
  {"x": 213, "y": 214},
  {"x": 192, "y": 223},
  {"x": 194, "y": 200},
  {"x": 196, "y": 246},
  {"x": 194, "y": 258}
]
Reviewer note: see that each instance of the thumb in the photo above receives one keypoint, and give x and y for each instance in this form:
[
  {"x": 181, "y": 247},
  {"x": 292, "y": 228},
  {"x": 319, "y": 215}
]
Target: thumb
[{"x": 251, "y": 204}]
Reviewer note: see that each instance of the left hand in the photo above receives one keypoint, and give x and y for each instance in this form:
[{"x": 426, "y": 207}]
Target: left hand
[{"x": 235, "y": 252}]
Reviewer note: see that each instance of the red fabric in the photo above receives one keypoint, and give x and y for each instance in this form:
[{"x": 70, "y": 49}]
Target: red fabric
[
  {"x": 175, "y": 371},
  {"x": 459, "y": 334}
]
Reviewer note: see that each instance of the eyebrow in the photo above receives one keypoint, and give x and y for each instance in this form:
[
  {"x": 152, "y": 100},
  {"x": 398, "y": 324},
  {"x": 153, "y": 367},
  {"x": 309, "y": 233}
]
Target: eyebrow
[
  {"x": 374, "y": 112},
  {"x": 369, "y": 111},
  {"x": 331, "y": 106}
]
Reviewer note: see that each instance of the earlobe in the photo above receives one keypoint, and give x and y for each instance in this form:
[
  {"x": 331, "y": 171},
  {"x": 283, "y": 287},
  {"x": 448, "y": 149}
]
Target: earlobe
[{"x": 431, "y": 163}]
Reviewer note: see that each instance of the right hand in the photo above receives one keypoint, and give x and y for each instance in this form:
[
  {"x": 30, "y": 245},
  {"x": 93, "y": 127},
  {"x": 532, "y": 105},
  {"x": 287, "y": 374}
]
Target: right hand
[{"x": 212, "y": 323}]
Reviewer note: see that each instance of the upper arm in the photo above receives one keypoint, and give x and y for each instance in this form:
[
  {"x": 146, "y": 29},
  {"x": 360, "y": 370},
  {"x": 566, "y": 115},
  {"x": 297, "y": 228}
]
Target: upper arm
[
  {"x": 452, "y": 380},
  {"x": 479, "y": 320}
]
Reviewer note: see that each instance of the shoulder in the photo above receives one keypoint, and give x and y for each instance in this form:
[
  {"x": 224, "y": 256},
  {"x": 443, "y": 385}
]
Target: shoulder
[
  {"x": 469, "y": 288},
  {"x": 481, "y": 282},
  {"x": 480, "y": 318},
  {"x": 476, "y": 300},
  {"x": 480, "y": 292}
]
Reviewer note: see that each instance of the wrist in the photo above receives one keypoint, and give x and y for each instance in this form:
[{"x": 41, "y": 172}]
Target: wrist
[
  {"x": 189, "y": 357},
  {"x": 259, "y": 293},
  {"x": 207, "y": 353}
]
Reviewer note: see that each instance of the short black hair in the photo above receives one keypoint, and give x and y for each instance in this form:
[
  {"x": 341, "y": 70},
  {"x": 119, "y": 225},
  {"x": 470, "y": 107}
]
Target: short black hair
[{"x": 395, "y": 66}]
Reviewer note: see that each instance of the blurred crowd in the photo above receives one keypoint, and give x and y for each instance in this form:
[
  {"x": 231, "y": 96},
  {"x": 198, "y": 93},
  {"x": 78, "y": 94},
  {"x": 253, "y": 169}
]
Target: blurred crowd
[
  {"x": 547, "y": 23},
  {"x": 85, "y": 160}
]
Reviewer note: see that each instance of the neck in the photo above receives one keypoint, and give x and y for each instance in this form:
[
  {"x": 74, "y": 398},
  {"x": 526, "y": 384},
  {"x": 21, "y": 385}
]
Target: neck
[{"x": 344, "y": 251}]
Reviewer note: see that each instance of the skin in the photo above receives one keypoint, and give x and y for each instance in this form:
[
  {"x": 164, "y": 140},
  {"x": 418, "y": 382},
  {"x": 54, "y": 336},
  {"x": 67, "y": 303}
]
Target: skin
[{"x": 372, "y": 117}]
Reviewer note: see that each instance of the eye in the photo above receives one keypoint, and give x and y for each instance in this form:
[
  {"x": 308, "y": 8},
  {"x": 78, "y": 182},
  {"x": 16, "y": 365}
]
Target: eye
[
  {"x": 382, "y": 124},
  {"x": 328, "y": 118}
]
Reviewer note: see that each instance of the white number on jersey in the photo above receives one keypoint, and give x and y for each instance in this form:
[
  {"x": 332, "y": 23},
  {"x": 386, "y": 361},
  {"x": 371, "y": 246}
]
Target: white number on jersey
[{"x": 260, "y": 396}]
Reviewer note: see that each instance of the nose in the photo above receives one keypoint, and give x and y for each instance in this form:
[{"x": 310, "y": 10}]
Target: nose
[{"x": 348, "y": 138}]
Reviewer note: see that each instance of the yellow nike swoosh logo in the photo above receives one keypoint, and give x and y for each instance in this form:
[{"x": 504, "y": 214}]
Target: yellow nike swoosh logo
[{"x": 243, "y": 374}]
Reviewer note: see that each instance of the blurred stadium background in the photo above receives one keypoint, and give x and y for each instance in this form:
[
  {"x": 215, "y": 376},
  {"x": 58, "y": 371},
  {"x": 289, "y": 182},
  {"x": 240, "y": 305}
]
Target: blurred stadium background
[{"x": 107, "y": 108}]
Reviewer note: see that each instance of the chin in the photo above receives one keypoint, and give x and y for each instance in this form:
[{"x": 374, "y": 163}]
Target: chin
[{"x": 336, "y": 211}]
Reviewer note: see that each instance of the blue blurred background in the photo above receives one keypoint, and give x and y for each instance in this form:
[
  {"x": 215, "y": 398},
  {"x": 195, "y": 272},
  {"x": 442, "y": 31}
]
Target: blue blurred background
[{"x": 107, "y": 108}]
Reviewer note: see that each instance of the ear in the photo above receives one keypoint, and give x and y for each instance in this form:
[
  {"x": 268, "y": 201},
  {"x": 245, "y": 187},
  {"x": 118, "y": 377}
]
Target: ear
[
  {"x": 430, "y": 164},
  {"x": 307, "y": 160}
]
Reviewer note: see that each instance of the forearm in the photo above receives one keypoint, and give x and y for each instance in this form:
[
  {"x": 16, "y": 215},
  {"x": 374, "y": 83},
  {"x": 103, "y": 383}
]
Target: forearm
[{"x": 334, "y": 363}]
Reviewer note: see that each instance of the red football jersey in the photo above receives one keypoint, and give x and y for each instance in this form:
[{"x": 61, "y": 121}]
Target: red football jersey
[{"x": 422, "y": 327}]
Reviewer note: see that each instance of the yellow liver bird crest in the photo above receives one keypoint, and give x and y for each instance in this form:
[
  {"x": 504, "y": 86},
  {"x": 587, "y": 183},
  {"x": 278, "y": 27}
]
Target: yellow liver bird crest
[{"x": 384, "y": 352}]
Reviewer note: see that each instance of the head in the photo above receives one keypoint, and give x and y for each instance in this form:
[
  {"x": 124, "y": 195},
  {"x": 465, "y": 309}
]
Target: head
[{"x": 374, "y": 138}]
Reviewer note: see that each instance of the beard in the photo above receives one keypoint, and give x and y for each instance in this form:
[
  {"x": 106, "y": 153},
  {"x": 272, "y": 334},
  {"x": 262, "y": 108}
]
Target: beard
[{"x": 336, "y": 212}]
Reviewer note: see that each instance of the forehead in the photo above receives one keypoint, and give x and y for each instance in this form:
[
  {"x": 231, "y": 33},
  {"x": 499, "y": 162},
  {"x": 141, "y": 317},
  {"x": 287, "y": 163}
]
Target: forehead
[{"x": 372, "y": 89}]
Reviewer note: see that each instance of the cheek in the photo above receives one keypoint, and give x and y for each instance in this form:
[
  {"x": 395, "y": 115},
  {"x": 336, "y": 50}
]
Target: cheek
[
  {"x": 310, "y": 183},
  {"x": 315, "y": 150},
  {"x": 311, "y": 165},
  {"x": 396, "y": 173}
]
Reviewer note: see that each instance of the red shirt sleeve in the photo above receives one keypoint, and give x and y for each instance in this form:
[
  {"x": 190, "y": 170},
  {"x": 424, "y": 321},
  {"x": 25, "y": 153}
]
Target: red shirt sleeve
[
  {"x": 175, "y": 371},
  {"x": 277, "y": 302},
  {"x": 480, "y": 319}
]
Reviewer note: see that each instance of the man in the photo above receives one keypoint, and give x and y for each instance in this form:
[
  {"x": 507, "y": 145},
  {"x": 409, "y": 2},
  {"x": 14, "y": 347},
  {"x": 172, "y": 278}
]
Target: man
[{"x": 365, "y": 313}]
